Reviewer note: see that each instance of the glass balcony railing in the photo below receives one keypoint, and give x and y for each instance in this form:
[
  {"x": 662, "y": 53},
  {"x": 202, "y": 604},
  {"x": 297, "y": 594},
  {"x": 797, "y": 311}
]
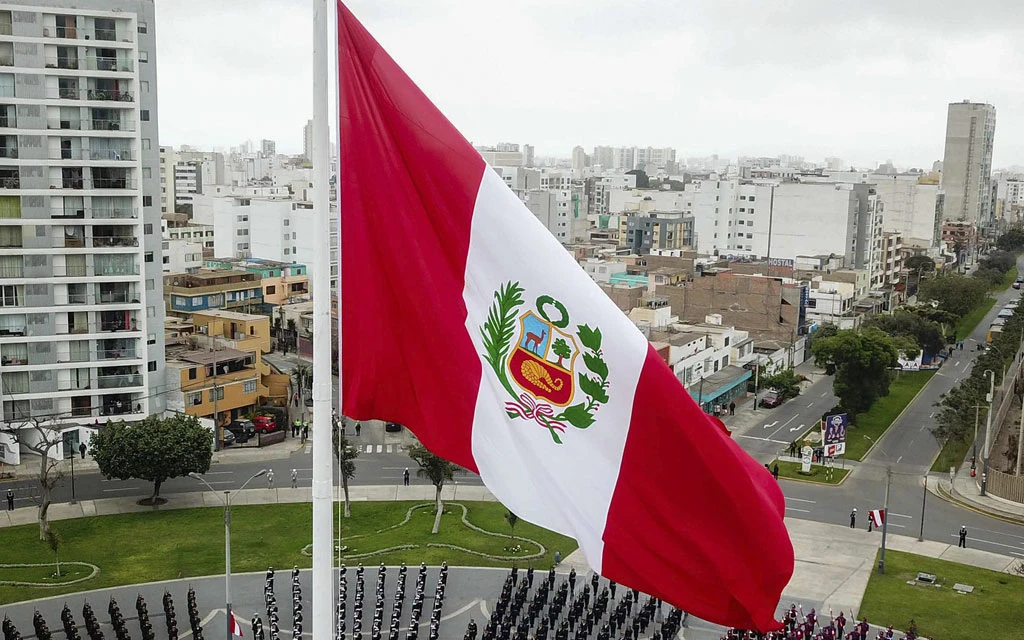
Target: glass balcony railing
[
  {"x": 8, "y": 152},
  {"x": 108, "y": 64},
  {"x": 119, "y": 381},
  {"x": 119, "y": 297},
  {"x": 107, "y": 35},
  {"x": 10, "y": 182},
  {"x": 117, "y": 270},
  {"x": 116, "y": 155},
  {"x": 115, "y": 241},
  {"x": 115, "y": 354},
  {"x": 8, "y": 120},
  {"x": 110, "y": 95},
  {"x": 120, "y": 213},
  {"x": 94, "y": 124}
]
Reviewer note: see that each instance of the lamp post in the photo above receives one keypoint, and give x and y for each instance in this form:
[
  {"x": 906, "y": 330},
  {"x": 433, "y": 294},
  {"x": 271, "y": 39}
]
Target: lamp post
[
  {"x": 988, "y": 427},
  {"x": 227, "y": 539},
  {"x": 72, "y": 477},
  {"x": 924, "y": 499}
]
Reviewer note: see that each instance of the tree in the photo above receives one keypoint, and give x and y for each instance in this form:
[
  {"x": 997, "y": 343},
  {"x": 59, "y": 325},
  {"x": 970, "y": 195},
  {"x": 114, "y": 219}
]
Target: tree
[
  {"x": 54, "y": 541},
  {"x": 302, "y": 378},
  {"x": 293, "y": 332},
  {"x": 786, "y": 382},
  {"x": 346, "y": 455},
  {"x": 861, "y": 361},
  {"x": 954, "y": 293},
  {"x": 991, "y": 277},
  {"x": 561, "y": 349},
  {"x": 435, "y": 469},
  {"x": 945, "y": 319},
  {"x": 958, "y": 411},
  {"x": 1001, "y": 261},
  {"x": 926, "y": 334},
  {"x": 512, "y": 519},
  {"x": 156, "y": 449},
  {"x": 924, "y": 263},
  {"x": 40, "y": 436},
  {"x": 1012, "y": 240}
]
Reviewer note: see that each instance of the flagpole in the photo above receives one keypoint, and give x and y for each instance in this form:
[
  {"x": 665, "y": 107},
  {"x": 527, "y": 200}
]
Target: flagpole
[{"x": 323, "y": 469}]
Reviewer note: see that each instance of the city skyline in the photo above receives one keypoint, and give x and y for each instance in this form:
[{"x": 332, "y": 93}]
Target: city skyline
[{"x": 786, "y": 87}]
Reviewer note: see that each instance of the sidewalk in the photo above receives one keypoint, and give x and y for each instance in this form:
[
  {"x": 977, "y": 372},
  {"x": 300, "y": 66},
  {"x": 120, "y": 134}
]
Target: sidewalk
[
  {"x": 833, "y": 562},
  {"x": 746, "y": 417},
  {"x": 965, "y": 491}
]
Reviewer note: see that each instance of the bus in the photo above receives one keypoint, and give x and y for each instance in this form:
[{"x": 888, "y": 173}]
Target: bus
[{"x": 994, "y": 331}]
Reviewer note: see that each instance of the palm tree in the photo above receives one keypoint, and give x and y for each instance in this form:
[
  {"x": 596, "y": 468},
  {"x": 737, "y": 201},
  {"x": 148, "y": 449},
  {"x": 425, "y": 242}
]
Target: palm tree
[
  {"x": 512, "y": 519},
  {"x": 437, "y": 470},
  {"x": 345, "y": 454},
  {"x": 302, "y": 378}
]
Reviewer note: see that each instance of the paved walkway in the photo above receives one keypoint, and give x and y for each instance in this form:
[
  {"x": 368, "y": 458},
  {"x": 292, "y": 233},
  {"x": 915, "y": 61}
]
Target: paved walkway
[
  {"x": 965, "y": 491},
  {"x": 833, "y": 562}
]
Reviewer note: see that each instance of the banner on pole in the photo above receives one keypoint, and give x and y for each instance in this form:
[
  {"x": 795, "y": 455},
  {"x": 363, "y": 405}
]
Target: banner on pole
[{"x": 833, "y": 434}]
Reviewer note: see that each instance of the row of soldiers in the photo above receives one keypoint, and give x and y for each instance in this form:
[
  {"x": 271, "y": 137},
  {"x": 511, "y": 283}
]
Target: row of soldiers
[
  {"x": 92, "y": 625},
  {"x": 800, "y": 626},
  {"x": 519, "y": 616}
]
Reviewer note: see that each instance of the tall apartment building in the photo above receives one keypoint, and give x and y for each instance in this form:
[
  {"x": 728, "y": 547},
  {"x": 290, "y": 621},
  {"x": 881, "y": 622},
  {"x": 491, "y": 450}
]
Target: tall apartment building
[
  {"x": 967, "y": 163},
  {"x": 307, "y": 141},
  {"x": 167, "y": 160},
  {"x": 81, "y": 313}
]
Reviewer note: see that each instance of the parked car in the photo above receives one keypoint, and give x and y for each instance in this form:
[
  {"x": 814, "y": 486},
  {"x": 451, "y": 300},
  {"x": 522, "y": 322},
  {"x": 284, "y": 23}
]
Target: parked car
[
  {"x": 771, "y": 399},
  {"x": 265, "y": 424},
  {"x": 229, "y": 438},
  {"x": 243, "y": 430},
  {"x": 1017, "y": 283},
  {"x": 392, "y": 427}
]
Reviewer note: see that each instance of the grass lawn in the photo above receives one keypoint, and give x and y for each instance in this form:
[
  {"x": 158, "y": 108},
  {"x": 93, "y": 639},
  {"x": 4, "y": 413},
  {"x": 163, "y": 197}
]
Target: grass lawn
[
  {"x": 817, "y": 474},
  {"x": 163, "y": 545},
  {"x": 876, "y": 420},
  {"x": 976, "y": 315},
  {"x": 952, "y": 454},
  {"x": 1008, "y": 279},
  {"x": 991, "y": 611}
]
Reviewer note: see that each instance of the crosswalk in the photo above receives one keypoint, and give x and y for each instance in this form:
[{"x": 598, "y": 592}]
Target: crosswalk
[{"x": 368, "y": 448}]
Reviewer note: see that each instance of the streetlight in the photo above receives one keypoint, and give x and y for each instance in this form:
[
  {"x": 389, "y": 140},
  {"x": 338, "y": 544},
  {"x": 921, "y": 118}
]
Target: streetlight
[
  {"x": 227, "y": 538},
  {"x": 988, "y": 427}
]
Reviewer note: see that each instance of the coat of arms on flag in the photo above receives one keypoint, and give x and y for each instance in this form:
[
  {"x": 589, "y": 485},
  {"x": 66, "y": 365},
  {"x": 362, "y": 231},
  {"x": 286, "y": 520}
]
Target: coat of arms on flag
[{"x": 539, "y": 357}]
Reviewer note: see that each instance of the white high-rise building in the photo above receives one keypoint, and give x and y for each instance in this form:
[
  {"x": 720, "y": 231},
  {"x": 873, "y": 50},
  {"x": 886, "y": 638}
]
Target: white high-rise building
[
  {"x": 81, "y": 309},
  {"x": 307, "y": 140},
  {"x": 967, "y": 164},
  {"x": 167, "y": 161}
]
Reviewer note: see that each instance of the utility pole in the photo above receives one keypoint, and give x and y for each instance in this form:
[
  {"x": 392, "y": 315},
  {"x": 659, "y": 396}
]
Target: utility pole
[
  {"x": 218, "y": 440},
  {"x": 924, "y": 498},
  {"x": 757, "y": 376},
  {"x": 988, "y": 428},
  {"x": 1020, "y": 437},
  {"x": 885, "y": 518}
]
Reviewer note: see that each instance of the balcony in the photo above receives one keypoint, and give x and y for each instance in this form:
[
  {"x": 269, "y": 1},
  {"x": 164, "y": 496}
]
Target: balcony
[
  {"x": 100, "y": 63},
  {"x": 118, "y": 213},
  {"x": 106, "y": 35},
  {"x": 111, "y": 96},
  {"x": 115, "y": 241},
  {"x": 113, "y": 183},
  {"x": 113, "y": 297},
  {"x": 69, "y": 33},
  {"x": 116, "y": 353},
  {"x": 14, "y": 360},
  {"x": 10, "y": 182},
  {"x": 71, "y": 271},
  {"x": 117, "y": 270},
  {"x": 7, "y": 118},
  {"x": 91, "y": 154},
  {"x": 114, "y": 326},
  {"x": 119, "y": 381},
  {"x": 98, "y": 124},
  {"x": 62, "y": 63},
  {"x": 8, "y": 152}
]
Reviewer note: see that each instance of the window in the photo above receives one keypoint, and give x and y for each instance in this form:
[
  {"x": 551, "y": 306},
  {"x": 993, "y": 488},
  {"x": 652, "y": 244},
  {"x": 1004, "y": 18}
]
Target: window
[
  {"x": 192, "y": 373},
  {"x": 147, "y": 144},
  {"x": 149, "y": 256},
  {"x": 147, "y": 228},
  {"x": 751, "y": 198},
  {"x": 167, "y": 259},
  {"x": 150, "y": 312},
  {"x": 725, "y": 361},
  {"x": 147, "y": 201},
  {"x": 194, "y": 398},
  {"x": 143, "y": 56},
  {"x": 144, "y": 115},
  {"x": 10, "y": 295},
  {"x": 217, "y": 394},
  {"x": 287, "y": 252},
  {"x": 286, "y": 222},
  {"x": 143, "y": 27},
  {"x": 271, "y": 289},
  {"x": 249, "y": 386},
  {"x": 151, "y": 339},
  {"x": 743, "y": 198},
  {"x": 751, "y": 212},
  {"x": 144, "y": 86},
  {"x": 743, "y": 210},
  {"x": 243, "y": 232},
  {"x": 293, "y": 235},
  {"x": 151, "y": 365},
  {"x": 150, "y": 284},
  {"x": 147, "y": 172}
]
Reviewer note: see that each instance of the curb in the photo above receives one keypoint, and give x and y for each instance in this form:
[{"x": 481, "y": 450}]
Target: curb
[
  {"x": 849, "y": 473},
  {"x": 955, "y": 499}
]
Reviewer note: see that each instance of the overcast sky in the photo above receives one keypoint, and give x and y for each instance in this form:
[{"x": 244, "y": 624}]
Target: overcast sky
[{"x": 866, "y": 80}]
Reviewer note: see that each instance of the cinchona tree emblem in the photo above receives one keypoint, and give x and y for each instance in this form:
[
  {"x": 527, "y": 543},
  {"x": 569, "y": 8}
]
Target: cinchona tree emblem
[{"x": 535, "y": 359}]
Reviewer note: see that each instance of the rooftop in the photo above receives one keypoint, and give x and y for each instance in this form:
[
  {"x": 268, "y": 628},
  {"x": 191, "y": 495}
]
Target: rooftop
[
  {"x": 206, "y": 357},
  {"x": 263, "y": 263},
  {"x": 230, "y": 315}
]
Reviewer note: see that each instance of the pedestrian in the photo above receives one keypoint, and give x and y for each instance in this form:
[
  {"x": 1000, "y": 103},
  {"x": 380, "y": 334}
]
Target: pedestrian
[
  {"x": 732, "y": 408},
  {"x": 81, "y": 449},
  {"x": 775, "y": 471},
  {"x": 270, "y": 479},
  {"x": 963, "y": 533},
  {"x": 295, "y": 478},
  {"x": 359, "y": 428},
  {"x": 558, "y": 558},
  {"x": 10, "y": 500},
  {"x": 405, "y": 477},
  {"x": 853, "y": 518},
  {"x": 871, "y": 522},
  {"x": 295, "y": 399},
  {"x": 305, "y": 431}
]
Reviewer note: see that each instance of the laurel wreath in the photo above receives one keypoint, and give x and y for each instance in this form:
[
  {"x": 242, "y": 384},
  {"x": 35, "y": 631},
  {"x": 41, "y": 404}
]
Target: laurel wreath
[{"x": 497, "y": 333}]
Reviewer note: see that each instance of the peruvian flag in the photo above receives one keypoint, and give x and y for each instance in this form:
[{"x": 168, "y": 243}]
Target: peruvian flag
[
  {"x": 236, "y": 629},
  {"x": 877, "y": 517},
  {"x": 465, "y": 320}
]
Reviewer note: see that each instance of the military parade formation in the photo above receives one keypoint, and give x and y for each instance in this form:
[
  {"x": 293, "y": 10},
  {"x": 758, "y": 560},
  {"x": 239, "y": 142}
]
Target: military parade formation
[{"x": 800, "y": 626}]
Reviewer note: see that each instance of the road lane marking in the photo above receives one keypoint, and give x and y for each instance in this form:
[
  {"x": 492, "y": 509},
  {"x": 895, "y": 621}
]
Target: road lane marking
[
  {"x": 786, "y": 423},
  {"x": 799, "y": 510},
  {"x": 762, "y": 439},
  {"x": 891, "y": 524},
  {"x": 123, "y": 489},
  {"x": 900, "y": 515},
  {"x": 810, "y": 405},
  {"x": 824, "y": 394},
  {"x": 998, "y": 544},
  {"x": 218, "y": 473},
  {"x": 1011, "y": 535},
  {"x": 771, "y": 424},
  {"x": 898, "y": 459},
  {"x": 802, "y": 500},
  {"x": 797, "y": 428}
]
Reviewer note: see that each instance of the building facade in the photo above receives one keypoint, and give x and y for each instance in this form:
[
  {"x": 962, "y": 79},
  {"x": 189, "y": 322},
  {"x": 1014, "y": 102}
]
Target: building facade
[
  {"x": 81, "y": 315},
  {"x": 967, "y": 162}
]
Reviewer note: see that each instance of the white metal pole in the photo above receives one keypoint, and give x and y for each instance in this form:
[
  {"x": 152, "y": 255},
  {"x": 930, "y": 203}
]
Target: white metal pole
[
  {"x": 227, "y": 560},
  {"x": 323, "y": 476}
]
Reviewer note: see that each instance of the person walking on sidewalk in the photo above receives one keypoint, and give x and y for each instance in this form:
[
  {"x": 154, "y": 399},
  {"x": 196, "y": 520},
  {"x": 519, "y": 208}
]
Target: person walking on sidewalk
[
  {"x": 10, "y": 500},
  {"x": 853, "y": 518},
  {"x": 405, "y": 477},
  {"x": 775, "y": 471},
  {"x": 305, "y": 432},
  {"x": 359, "y": 428},
  {"x": 732, "y": 408},
  {"x": 270, "y": 479},
  {"x": 963, "y": 537},
  {"x": 295, "y": 478},
  {"x": 81, "y": 449}
]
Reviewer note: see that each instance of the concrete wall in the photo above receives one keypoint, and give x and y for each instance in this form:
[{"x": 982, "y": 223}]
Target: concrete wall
[{"x": 749, "y": 303}]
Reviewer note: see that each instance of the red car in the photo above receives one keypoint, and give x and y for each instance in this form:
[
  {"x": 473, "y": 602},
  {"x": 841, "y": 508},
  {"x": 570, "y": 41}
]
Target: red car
[
  {"x": 771, "y": 399},
  {"x": 264, "y": 424}
]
